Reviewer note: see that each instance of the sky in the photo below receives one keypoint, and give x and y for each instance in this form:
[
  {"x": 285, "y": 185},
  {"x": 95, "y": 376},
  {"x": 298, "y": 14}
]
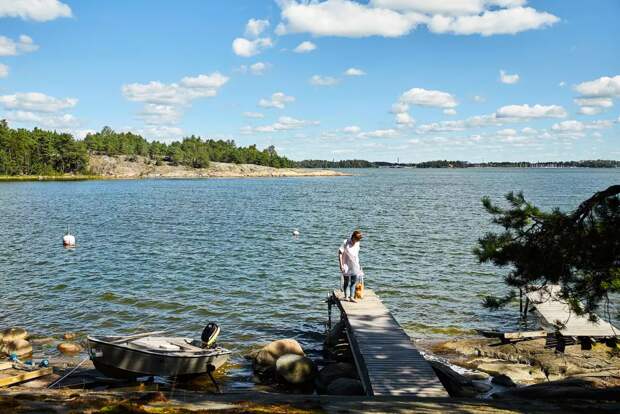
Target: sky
[{"x": 382, "y": 80}]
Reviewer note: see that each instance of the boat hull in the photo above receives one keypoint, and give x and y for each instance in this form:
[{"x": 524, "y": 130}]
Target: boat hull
[{"x": 123, "y": 362}]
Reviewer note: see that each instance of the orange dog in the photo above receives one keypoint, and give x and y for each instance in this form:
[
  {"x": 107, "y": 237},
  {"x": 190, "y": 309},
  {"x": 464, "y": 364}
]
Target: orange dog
[{"x": 359, "y": 291}]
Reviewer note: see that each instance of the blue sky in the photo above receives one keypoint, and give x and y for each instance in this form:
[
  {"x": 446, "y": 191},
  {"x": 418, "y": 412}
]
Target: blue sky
[{"x": 417, "y": 80}]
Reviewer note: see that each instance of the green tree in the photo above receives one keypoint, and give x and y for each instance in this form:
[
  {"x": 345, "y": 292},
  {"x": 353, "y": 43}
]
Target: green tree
[{"x": 579, "y": 250}]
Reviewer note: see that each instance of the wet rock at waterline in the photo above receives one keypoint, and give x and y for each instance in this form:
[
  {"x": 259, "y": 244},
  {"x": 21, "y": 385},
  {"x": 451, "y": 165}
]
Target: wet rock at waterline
[
  {"x": 13, "y": 334},
  {"x": 331, "y": 372},
  {"x": 345, "y": 386},
  {"x": 69, "y": 348},
  {"x": 19, "y": 347},
  {"x": 264, "y": 360},
  {"x": 295, "y": 369},
  {"x": 69, "y": 336},
  {"x": 503, "y": 380},
  {"x": 456, "y": 384}
]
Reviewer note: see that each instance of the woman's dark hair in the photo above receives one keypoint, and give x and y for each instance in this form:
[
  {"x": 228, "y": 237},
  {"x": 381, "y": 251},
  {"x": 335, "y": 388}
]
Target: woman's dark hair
[{"x": 357, "y": 235}]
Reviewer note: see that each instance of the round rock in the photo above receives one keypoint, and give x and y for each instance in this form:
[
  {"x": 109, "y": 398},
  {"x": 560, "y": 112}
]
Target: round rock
[
  {"x": 13, "y": 334},
  {"x": 69, "y": 348},
  {"x": 333, "y": 371},
  {"x": 296, "y": 369},
  {"x": 69, "y": 336},
  {"x": 20, "y": 347}
]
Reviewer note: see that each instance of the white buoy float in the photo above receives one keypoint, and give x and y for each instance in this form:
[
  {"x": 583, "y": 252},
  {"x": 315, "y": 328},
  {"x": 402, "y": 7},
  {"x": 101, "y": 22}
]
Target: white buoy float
[
  {"x": 68, "y": 240},
  {"x": 296, "y": 233}
]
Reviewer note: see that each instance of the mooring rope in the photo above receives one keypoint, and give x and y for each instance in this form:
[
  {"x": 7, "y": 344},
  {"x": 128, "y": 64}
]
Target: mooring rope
[{"x": 72, "y": 371}]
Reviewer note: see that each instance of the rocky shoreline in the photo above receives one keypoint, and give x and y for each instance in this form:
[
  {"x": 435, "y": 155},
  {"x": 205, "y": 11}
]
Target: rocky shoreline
[
  {"x": 494, "y": 377},
  {"x": 124, "y": 167}
]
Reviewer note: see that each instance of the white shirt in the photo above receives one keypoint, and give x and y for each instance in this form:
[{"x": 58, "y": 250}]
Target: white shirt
[{"x": 350, "y": 258}]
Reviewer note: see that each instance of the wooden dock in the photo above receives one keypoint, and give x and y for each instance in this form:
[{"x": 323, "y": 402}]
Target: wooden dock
[
  {"x": 387, "y": 361},
  {"x": 554, "y": 311}
]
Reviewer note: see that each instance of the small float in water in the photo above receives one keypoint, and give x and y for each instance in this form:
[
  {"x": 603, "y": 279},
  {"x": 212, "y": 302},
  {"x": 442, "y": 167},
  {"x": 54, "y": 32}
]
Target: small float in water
[
  {"x": 150, "y": 354},
  {"x": 68, "y": 240},
  {"x": 296, "y": 233}
]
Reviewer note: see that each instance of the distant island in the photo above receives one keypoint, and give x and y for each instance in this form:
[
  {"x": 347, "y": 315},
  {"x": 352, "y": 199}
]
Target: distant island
[{"x": 110, "y": 154}]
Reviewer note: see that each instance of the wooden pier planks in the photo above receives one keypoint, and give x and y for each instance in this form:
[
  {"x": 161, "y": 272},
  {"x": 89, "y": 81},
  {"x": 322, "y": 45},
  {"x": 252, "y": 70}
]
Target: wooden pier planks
[
  {"x": 388, "y": 362},
  {"x": 13, "y": 376},
  {"x": 551, "y": 309}
]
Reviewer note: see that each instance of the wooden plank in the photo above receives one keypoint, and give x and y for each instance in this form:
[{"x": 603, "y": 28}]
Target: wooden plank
[
  {"x": 525, "y": 334},
  {"x": 551, "y": 308},
  {"x": 5, "y": 365},
  {"x": 386, "y": 358},
  {"x": 24, "y": 376}
]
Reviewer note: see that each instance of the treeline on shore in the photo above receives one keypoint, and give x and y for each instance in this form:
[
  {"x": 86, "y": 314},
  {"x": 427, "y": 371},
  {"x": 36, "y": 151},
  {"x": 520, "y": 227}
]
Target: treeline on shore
[{"x": 40, "y": 152}]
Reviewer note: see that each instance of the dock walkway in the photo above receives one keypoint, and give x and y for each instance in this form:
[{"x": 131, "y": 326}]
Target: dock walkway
[
  {"x": 386, "y": 359},
  {"x": 554, "y": 311}
]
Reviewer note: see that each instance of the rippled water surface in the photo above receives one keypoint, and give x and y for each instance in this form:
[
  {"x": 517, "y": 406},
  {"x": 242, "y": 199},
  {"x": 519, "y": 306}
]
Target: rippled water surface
[{"x": 159, "y": 254}]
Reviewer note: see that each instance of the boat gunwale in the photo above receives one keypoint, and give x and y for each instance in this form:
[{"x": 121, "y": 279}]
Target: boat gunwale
[{"x": 208, "y": 353}]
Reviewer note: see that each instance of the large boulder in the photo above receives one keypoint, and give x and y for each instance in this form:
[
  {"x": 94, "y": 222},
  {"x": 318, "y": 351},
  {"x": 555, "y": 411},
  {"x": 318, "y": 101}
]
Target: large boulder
[
  {"x": 345, "y": 386},
  {"x": 13, "y": 334},
  {"x": 333, "y": 371},
  {"x": 456, "y": 384},
  {"x": 269, "y": 354},
  {"x": 19, "y": 347},
  {"x": 69, "y": 348},
  {"x": 335, "y": 335},
  {"x": 295, "y": 369}
]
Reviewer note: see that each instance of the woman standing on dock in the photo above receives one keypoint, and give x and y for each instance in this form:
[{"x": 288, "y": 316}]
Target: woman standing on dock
[{"x": 348, "y": 258}]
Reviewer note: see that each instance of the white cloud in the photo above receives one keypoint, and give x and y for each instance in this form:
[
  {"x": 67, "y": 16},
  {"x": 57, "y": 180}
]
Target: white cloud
[
  {"x": 37, "y": 10},
  {"x": 600, "y": 102},
  {"x": 577, "y": 126},
  {"x": 247, "y": 48},
  {"x": 277, "y": 100},
  {"x": 36, "y": 102},
  {"x": 10, "y": 47},
  {"x": 527, "y": 111},
  {"x": 305, "y": 47},
  {"x": 213, "y": 81},
  {"x": 164, "y": 102},
  {"x": 284, "y": 123},
  {"x": 255, "y": 27},
  {"x": 255, "y": 115},
  {"x": 562, "y": 84},
  {"x": 602, "y": 87},
  {"x": 352, "y": 129},
  {"x": 190, "y": 88},
  {"x": 319, "y": 80},
  {"x": 354, "y": 72},
  {"x": 394, "y": 18},
  {"x": 479, "y": 99},
  {"x": 446, "y": 7},
  {"x": 45, "y": 120},
  {"x": 508, "y": 132},
  {"x": 506, "y": 78},
  {"x": 425, "y": 97},
  {"x": 154, "y": 114},
  {"x": 4, "y": 70},
  {"x": 259, "y": 68},
  {"x": 597, "y": 94},
  {"x": 529, "y": 131},
  {"x": 403, "y": 118},
  {"x": 590, "y": 110},
  {"x": 568, "y": 126},
  {"x": 379, "y": 133},
  {"x": 344, "y": 18},
  {"x": 449, "y": 111},
  {"x": 493, "y": 22}
]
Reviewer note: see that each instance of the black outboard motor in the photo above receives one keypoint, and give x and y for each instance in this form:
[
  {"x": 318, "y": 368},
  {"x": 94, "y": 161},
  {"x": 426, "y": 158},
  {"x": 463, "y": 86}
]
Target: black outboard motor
[{"x": 210, "y": 334}]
